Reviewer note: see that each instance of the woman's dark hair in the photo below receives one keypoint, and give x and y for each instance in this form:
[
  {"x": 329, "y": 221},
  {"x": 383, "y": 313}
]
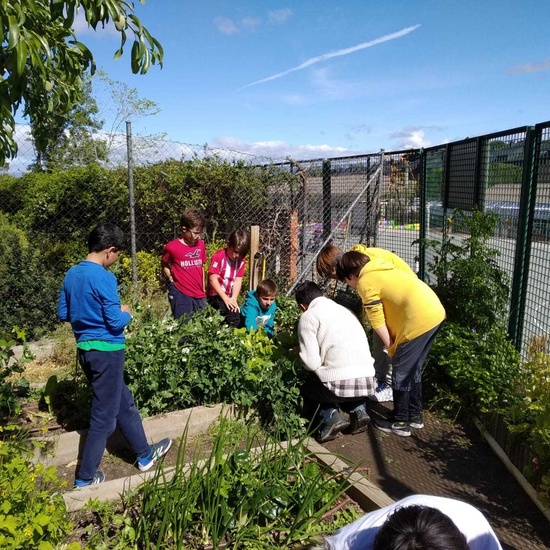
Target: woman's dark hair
[
  {"x": 239, "y": 240},
  {"x": 306, "y": 292},
  {"x": 104, "y": 236},
  {"x": 327, "y": 259},
  {"x": 351, "y": 263},
  {"x": 419, "y": 528}
]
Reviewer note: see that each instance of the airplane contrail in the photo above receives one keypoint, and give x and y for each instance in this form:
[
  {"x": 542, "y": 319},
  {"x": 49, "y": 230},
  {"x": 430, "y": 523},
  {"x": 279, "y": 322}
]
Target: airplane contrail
[{"x": 336, "y": 53}]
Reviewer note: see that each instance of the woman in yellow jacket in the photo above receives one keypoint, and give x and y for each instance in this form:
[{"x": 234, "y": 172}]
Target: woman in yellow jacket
[
  {"x": 327, "y": 260},
  {"x": 406, "y": 315}
]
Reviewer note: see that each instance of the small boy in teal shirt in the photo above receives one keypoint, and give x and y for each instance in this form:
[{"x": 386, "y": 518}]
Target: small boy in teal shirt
[{"x": 258, "y": 310}]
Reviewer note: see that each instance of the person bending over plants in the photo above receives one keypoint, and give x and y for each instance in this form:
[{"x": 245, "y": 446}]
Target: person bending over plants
[
  {"x": 259, "y": 308},
  {"x": 406, "y": 314},
  {"x": 326, "y": 266},
  {"x": 334, "y": 347}
]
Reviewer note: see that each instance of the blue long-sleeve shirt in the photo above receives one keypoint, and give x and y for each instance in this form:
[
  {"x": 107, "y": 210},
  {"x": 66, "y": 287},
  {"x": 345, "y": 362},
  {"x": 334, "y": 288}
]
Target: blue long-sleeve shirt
[
  {"x": 255, "y": 317},
  {"x": 89, "y": 301}
]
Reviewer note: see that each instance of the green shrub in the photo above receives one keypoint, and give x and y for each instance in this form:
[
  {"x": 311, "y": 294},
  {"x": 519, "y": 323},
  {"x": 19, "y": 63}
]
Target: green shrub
[
  {"x": 29, "y": 290},
  {"x": 475, "y": 371},
  {"x": 32, "y": 512},
  {"x": 213, "y": 364},
  {"x": 530, "y": 415}
]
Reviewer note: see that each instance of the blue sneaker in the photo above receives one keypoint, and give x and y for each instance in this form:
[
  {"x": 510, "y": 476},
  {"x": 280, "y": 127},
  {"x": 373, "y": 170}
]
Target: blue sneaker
[
  {"x": 79, "y": 483},
  {"x": 158, "y": 450}
]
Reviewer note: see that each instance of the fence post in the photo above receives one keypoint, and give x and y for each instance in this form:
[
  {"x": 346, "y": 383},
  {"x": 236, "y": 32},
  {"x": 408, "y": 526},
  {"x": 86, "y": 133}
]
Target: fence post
[
  {"x": 327, "y": 200},
  {"x": 524, "y": 238},
  {"x": 255, "y": 255},
  {"x": 424, "y": 216},
  {"x": 132, "y": 204}
]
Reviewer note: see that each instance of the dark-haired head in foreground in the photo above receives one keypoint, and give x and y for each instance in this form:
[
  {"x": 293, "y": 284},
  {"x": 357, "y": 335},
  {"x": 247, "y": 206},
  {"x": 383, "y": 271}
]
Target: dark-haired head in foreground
[{"x": 419, "y": 528}]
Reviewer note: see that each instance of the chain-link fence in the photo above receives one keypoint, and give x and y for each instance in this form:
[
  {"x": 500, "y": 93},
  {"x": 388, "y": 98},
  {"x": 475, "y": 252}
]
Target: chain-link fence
[{"x": 389, "y": 200}]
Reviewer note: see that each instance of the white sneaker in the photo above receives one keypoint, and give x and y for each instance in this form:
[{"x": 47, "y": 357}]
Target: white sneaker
[{"x": 382, "y": 394}]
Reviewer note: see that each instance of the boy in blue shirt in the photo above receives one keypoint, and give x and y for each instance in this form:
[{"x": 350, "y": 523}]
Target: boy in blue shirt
[
  {"x": 258, "y": 310},
  {"x": 89, "y": 301}
]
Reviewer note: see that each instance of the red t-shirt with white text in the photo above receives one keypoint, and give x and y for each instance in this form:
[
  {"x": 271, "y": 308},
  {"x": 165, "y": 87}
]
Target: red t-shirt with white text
[{"x": 186, "y": 263}]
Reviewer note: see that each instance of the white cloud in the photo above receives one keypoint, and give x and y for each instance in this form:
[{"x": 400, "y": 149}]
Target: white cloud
[
  {"x": 226, "y": 25},
  {"x": 531, "y": 67},
  {"x": 279, "y": 150},
  {"x": 251, "y": 22},
  {"x": 411, "y": 138},
  {"x": 280, "y": 16},
  {"x": 336, "y": 53}
]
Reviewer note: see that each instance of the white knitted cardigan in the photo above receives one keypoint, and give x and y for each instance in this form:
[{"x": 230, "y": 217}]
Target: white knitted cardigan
[{"x": 333, "y": 344}]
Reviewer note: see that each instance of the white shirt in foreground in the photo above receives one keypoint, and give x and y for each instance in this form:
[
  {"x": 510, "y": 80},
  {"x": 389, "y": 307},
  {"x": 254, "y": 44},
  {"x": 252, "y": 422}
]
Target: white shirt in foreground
[{"x": 360, "y": 534}]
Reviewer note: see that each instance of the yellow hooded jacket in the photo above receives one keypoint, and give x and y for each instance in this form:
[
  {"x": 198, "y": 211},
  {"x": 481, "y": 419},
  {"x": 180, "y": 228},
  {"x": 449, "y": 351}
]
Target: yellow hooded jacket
[{"x": 399, "y": 300}]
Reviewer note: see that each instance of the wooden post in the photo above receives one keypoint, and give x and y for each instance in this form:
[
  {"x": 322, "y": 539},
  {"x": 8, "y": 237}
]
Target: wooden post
[
  {"x": 254, "y": 256},
  {"x": 293, "y": 260}
]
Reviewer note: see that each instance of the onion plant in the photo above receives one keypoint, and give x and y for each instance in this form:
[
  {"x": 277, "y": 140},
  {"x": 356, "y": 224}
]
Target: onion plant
[{"x": 265, "y": 492}]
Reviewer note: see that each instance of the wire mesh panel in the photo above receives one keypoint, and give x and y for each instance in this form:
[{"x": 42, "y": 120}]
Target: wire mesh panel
[
  {"x": 536, "y": 325},
  {"x": 378, "y": 200}
]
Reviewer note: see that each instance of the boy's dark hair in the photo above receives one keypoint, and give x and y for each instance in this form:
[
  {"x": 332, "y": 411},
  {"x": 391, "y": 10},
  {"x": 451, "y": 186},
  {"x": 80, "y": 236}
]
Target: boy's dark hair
[
  {"x": 105, "y": 236},
  {"x": 351, "y": 263},
  {"x": 193, "y": 217},
  {"x": 327, "y": 258},
  {"x": 267, "y": 287},
  {"x": 306, "y": 292},
  {"x": 239, "y": 240},
  {"x": 419, "y": 527}
]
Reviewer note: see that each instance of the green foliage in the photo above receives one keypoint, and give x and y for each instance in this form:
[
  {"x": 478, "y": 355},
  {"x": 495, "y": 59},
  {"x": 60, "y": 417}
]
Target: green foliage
[
  {"x": 29, "y": 289},
  {"x": 42, "y": 62},
  {"x": 531, "y": 414},
  {"x": 213, "y": 364},
  {"x": 237, "y": 498},
  {"x": 66, "y": 139},
  {"x": 472, "y": 362},
  {"x": 148, "y": 272},
  {"x": 480, "y": 368},
  {"x": 469, "y": 282},
  {"x": 32, "y": 512},
  {"x": 9, "y": 403}
]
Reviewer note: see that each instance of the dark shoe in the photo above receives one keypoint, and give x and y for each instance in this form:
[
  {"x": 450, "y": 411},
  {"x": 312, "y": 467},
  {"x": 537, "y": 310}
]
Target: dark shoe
[
  {"x": 359, "y": 420},
  {"x": 158, "y": 450},
  {"x": 416, "y": 422},
  {"x": 398, "y": 428},
  {"x": 329, "y": 430},
  {"x": 99, "y": 477}
]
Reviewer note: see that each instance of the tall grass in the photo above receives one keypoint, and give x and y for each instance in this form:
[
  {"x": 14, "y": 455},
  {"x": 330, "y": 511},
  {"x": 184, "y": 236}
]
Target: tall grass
[{"x": 265, "y": 493}]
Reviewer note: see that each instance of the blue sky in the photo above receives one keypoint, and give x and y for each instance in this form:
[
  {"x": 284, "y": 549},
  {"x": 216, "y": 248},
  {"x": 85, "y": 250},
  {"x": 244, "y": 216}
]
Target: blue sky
[{"x": 320, "y": 79}]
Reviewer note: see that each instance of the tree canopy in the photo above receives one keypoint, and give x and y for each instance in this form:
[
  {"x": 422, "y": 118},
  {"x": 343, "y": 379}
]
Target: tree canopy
[{"x": 42, "y": 63}]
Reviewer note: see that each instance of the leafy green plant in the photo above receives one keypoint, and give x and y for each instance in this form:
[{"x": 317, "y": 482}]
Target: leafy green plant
[
  {"x": 237, "y": 498},
  {"x": 32, "y": 512},
  {"x": 469, "y": 282},
  {"x": 171, "y": 365},
  {"x": 473, "y": 371},
  {"x": 9, "y": 402},
  {"x": 530, "y": 415},
  {"x": 472, "y": 363}
]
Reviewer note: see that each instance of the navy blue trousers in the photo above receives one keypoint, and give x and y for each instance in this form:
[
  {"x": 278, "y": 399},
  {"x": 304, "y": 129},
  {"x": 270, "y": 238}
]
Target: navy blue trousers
[
  {"x": 407, "y": 375},
  {"x": 181, "y": 304},
  {"x": 112, "y": 405}
]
